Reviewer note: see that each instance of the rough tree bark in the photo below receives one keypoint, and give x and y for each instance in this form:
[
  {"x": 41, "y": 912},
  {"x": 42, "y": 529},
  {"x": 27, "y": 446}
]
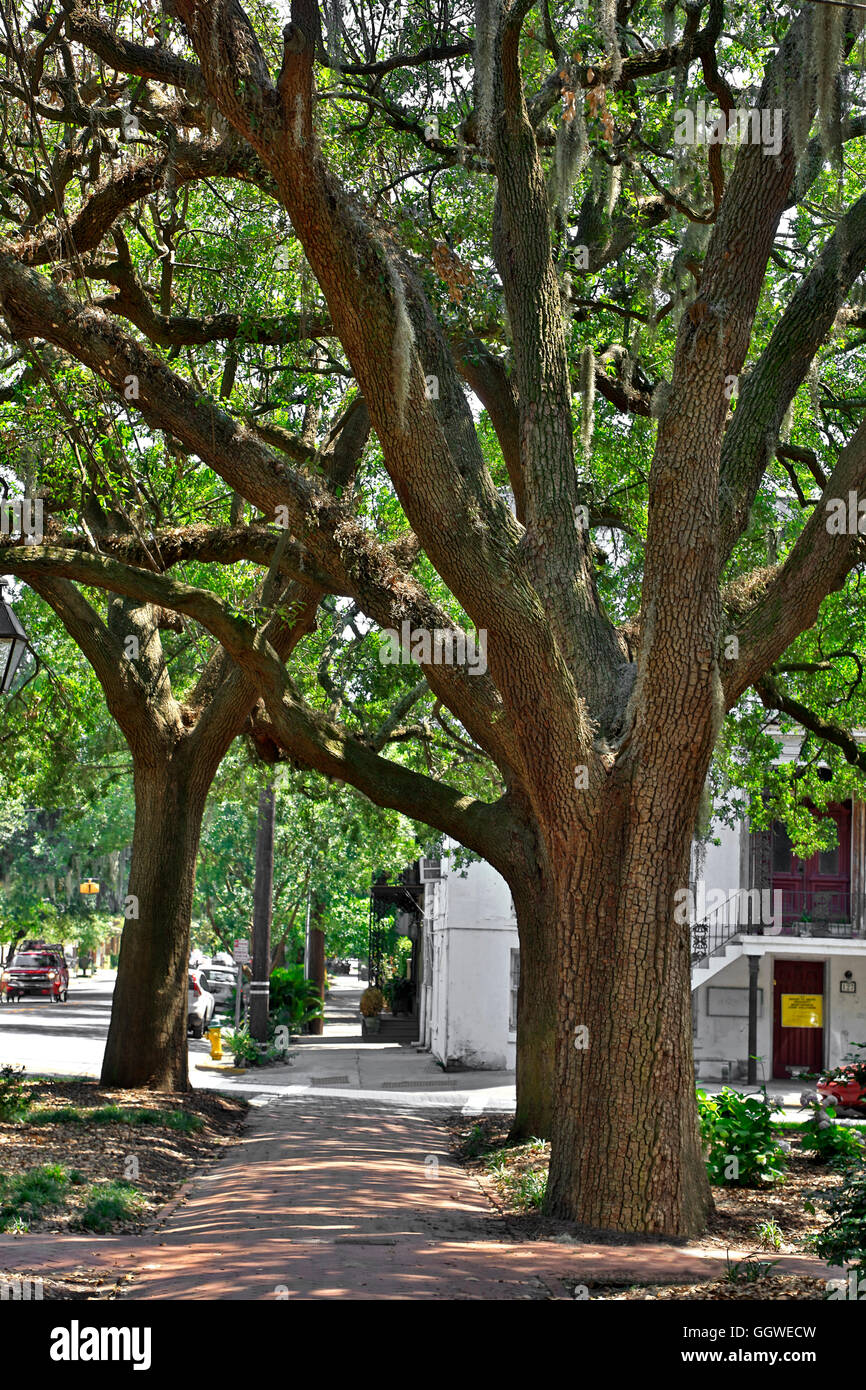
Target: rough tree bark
[{"x": 146, "y": 1043}]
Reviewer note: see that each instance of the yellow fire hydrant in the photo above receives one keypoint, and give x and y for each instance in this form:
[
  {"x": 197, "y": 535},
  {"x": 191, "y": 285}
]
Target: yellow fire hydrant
[{"x": 216, "y": 1046}]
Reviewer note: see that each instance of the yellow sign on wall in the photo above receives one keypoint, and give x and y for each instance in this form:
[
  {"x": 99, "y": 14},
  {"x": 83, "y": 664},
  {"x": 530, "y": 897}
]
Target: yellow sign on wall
[{"x": 802, "y": 1011}]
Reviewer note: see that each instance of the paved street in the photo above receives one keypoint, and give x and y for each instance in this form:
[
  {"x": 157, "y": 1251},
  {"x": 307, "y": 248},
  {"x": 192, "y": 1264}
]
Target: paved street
[{"x": 65, "y": 1039}]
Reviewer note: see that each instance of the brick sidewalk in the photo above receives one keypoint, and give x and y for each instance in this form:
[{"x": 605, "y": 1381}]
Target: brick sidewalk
[{"x": 343, "y": 1199}]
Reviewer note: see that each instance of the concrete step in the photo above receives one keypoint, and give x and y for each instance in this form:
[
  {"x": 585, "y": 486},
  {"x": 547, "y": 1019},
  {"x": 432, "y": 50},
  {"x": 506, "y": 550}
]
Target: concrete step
[{"x": 398, "y": 1029}]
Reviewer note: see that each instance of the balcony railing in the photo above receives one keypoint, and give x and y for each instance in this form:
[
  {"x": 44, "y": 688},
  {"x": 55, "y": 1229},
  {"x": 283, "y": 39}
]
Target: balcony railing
[
  {"x": 805, "y": 912},
  {"x": 816, "y": 912}
]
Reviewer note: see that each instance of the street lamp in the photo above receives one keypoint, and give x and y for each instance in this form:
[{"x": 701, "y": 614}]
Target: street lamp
[{"x": 13, "y": 644}]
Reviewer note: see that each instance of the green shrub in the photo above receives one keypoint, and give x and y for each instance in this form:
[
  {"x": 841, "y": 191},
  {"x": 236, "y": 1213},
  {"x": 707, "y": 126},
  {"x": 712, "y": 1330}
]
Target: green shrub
[
  {"x": 843, "y": 1240},
  {"x": 15, "y": 1099},
  {"x": 248, "y": 1053},
  {"x": 853, "y": 1068},
  {"x": 294, "y": 1000},
  {"x": 372, "y": 1002},
  {"x": 747, "y": 1271},
  {"x": 740, "y": 1143}
]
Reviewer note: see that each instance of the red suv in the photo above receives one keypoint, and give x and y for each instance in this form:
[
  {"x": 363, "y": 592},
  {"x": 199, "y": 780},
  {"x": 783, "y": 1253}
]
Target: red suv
[{"x": 37, "y": 970}]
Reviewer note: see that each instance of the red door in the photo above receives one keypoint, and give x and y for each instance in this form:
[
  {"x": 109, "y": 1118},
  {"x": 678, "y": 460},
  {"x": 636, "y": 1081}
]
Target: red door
[
  {"x": 792, "y": 1046},
  {"x": 815, "y": 890}
]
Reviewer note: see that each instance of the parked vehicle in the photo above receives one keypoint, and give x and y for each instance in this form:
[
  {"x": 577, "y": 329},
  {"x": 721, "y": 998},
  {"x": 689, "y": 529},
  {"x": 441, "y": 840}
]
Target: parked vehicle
[
  {"x": 221, "y": 981},
  {"x": 338, "y": 967},
  {"x": 40, "y": 971},
  {"x": 200, "y": 1004}
]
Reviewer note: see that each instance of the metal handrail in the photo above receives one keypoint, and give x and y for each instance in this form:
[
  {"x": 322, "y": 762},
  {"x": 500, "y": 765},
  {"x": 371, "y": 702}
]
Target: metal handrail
[{"x": 712, "y": 934}]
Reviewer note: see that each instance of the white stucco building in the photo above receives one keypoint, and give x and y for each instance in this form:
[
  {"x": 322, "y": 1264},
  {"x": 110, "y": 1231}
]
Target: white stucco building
[
  {"x": 778, "y": 954},
  {"x": 467, "y": 1000}
]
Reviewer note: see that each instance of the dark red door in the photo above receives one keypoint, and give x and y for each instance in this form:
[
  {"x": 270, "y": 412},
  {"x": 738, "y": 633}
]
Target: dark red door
[
  {"x": 793, "y": 1046},
  {"x": 815, "y": 890}
]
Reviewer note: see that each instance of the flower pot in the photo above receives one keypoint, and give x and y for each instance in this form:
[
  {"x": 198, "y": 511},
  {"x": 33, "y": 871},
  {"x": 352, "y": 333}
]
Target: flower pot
[{"x": 371, "y": 1024}]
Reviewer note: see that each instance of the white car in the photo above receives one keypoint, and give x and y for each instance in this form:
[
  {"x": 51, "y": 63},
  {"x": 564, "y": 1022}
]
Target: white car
[
  {"x": 200, "y": 1004},
  {"x": 221, "y": 981}
]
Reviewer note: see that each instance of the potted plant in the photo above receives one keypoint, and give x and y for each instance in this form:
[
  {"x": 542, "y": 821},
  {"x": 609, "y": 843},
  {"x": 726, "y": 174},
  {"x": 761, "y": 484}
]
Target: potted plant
[
  {"x": 402, "y": 996},
  {"x": 372, "y": 1004}
]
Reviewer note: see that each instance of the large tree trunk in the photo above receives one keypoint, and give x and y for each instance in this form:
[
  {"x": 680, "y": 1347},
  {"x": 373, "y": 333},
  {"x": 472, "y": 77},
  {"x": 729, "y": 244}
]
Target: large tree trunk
[
  {"x": 626, "y": 1152},
  {"x": 146, "y": 1043},
  {"x": 537, "y": 926}
]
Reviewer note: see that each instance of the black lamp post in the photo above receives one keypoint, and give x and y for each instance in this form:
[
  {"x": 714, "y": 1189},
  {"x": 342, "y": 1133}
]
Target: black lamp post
[{"x": 13, "y": 644}]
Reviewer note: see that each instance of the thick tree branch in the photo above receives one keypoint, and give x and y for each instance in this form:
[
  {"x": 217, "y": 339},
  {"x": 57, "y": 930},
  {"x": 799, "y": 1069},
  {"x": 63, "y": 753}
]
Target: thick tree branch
[
  {"x": 789, "y": 599},
  {"x": 774, "y": 698},
  {"x": 750, "y": 439},
  {"x": 301, "y": 731}
]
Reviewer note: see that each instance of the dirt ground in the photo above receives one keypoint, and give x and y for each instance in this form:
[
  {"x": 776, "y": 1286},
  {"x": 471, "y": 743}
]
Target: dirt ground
[
  {"x": 154, "y": 1158},
  {"x": 481, "y": 1143},
  {"x": 787, "y": 1287}
]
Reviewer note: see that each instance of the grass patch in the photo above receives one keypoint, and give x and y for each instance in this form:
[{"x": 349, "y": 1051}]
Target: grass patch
[
  {"x": 34, "y": 1191},
  {"x": 117, "y": 1115},
  {"x": 109, "y": 1202},
  {"x": 56, "y": 1115},
  {"x": 520, "y": 1173},
  {"x": 167, "y": 1119}
]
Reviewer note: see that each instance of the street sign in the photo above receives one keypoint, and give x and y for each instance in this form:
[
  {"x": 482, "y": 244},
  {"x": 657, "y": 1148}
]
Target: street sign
[{"x": 242, "y": 953}]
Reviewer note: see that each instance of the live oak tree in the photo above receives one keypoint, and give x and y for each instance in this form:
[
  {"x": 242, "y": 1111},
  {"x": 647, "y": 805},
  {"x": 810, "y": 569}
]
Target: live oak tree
[{"x": 504, "y": 211}]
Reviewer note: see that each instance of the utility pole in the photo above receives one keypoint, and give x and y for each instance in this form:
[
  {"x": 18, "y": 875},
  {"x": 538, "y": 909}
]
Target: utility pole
[
  {"x": 263, "y": 895},
  {"x": 316, "y": 968}
]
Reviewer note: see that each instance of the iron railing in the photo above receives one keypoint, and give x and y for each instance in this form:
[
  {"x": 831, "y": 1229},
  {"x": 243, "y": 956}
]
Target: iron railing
[
  {"x": 804, "y": 912},
  {"x": 816, "y": 907},
  {"x": 711, "y": 936}
]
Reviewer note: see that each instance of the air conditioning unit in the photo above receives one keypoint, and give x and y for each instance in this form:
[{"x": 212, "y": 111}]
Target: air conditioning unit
[{"x": 431, "y": 870}]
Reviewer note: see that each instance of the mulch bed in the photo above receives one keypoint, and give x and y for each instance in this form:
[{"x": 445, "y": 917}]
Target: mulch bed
[
  {"x": 734, "y": 1223},
  {"x": 798, "y": 1287},
  {"x": 158, "y": 1160}
]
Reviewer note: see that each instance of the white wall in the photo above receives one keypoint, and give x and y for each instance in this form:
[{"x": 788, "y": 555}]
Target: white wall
[
  {"x": 720, "y": 1039},
  {"x": 470, "y": 931},
  {"x": 845, "y": 1014},
  {"x": 721, "y": 862}
]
